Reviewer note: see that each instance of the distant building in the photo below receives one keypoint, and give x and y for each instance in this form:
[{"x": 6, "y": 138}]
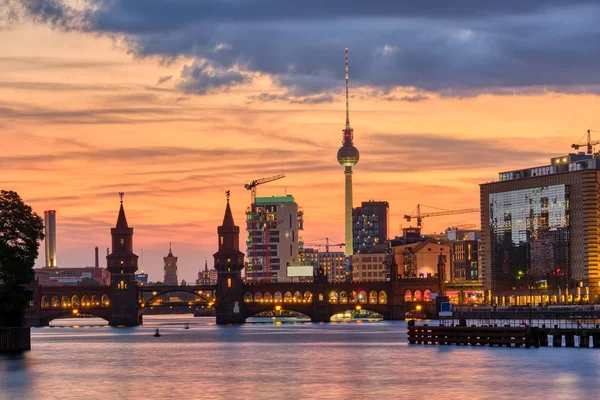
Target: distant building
[
  {"x": 141, "y": 278},
  {"x": 464, "y": 259},
  {"x": 204, "y": 276},
  {"x": 540, "y": 232},
  {"x": 369, "y": 267},
  {"x": 371, "y": 226},
  {"x": 170, "y": 268},
  {"x": 284, "y": 219},
  {"x": 420, "y": 259},
  {"x": 54, "y": 276},
  {"x": 332, "y": 262},
  {"x": 50, "y": 237}
]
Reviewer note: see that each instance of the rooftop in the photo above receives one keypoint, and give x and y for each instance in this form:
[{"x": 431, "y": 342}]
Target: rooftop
[
  {"x": 569, "y": 163},
  {"x": 275, "y": 199}
]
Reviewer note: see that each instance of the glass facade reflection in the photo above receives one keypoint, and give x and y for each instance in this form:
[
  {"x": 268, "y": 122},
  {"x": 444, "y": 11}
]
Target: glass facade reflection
[{"x": 530, "y": 237}]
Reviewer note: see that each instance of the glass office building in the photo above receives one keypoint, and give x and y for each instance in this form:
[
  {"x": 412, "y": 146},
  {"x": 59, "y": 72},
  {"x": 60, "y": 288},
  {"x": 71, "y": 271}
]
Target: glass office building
[{"x": 540, "y": 233}]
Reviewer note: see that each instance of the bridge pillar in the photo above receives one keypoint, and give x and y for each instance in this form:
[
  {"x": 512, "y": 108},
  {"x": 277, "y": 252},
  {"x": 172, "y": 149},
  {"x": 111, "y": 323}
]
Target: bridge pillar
[
  {"x": 229, "y": 262},
  {"x": 320, "y": 298}
]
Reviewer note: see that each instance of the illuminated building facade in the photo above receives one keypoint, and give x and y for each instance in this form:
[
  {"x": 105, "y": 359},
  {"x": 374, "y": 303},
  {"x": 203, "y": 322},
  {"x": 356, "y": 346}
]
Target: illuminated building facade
[
  {"x": 540, "y": 233},
  {"x": 371, "y": 224},
  {"x": 50, "y": 237},
  {"x": 283, "y": 219},
  {"x": 369, "y": 267}
]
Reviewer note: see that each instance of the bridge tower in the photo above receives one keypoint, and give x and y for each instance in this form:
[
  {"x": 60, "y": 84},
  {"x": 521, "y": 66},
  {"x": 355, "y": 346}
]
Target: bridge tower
[
  {"x": 122, "y": 264},
  {"x": 229, "y": 262}
]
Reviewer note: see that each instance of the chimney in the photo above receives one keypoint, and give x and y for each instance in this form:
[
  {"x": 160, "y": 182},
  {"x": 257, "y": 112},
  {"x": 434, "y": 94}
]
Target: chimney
[
  {"x": 50, "y": 241},
  {"x": 97, "y": 264}
]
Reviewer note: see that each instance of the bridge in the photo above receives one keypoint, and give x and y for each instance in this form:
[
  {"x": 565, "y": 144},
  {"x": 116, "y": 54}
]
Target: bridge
[{"x": 124, "y": 302}]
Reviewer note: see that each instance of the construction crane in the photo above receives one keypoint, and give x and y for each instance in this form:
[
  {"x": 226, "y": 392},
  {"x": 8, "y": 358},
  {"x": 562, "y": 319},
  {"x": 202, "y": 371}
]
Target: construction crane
[
  {"x": 252, "y": 185},
  {"x": 461, "y": 226},
  {"x": 589, "y": 144},
  {"x": 326, "y": 244},
  {"x": 419, "y": 216}
]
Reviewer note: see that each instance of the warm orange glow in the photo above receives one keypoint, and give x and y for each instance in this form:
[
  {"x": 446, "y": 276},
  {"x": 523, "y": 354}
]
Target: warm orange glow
[
  {"x": 277, "y": 308},
  {"x": 358, "y": 308},
  {"x": 75, "y": 311},
  {"x": 419, "y": 307}
]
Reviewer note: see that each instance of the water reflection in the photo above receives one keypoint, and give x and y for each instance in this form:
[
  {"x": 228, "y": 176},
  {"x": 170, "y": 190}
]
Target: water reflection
[{"x": 287, "y": 360}]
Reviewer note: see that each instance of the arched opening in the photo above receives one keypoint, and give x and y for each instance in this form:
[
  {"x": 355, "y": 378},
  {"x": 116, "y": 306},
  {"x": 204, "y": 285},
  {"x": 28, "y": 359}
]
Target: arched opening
[
  {"x": 105, "y": 301},
  {"x": 333, "y": 297},
  {"x": 372, "y": 297},
  {"x": 85, "y": 301},
  {"x": 343, "y": 297},
  {"x": 308, "y": 297},
  {"x": 408, "y": 295},
  {"x": 287, "y": 297},
  {"x": 95, "y": 301},
  {"x": 297, "y": 297},
  {"x": 277, "y": 297},
  {"x": 45, "y": 302},
  {"x": 353, "y": 297},
  {"x": 362, "y": 297},
  {"x": 427, "y": 295},
  {"x": 258, "y": 297},
  {"x": 248, "y": 298},
  {"x": 268, "y": 296},
  {"x": 418, "y": 295},
  {"x": 75, "y": 303},
  {"x": 65, "y": 302},
  {"x": 55, "y": 302},
  {"x": 382, "y": 297}
]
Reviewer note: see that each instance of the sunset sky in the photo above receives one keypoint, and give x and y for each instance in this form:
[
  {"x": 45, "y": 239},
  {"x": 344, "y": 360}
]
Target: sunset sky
[{"x": 174, "y": 102}]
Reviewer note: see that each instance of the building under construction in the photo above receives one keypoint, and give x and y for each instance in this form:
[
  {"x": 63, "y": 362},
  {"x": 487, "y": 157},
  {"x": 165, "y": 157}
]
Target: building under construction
[{"x": 272, "y": 224}]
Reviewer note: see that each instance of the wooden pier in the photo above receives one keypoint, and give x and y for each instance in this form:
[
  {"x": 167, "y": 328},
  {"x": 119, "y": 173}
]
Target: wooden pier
[{"x": 503, "y": 336}]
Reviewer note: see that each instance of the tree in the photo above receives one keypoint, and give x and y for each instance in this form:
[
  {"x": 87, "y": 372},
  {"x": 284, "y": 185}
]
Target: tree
[{"x": 21, "y": 231}]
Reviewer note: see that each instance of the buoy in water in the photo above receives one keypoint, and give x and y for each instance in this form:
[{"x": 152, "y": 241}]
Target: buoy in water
[{"x": 157, "y": 334}]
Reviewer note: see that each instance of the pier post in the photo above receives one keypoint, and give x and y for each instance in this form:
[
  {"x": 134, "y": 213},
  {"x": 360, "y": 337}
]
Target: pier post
[
  {"x": 556, "y": 339},
  {"x": 569, "y": 339},
  {"x": 596, "y": 340},
  {"x": 584, "y": 339}
]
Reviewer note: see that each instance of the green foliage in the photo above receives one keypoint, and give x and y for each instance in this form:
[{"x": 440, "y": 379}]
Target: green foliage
[{"x": 21, "y": 231}]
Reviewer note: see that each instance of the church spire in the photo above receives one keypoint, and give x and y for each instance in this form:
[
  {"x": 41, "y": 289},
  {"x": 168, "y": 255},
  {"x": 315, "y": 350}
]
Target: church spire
[
  {"x": 228, "y": 218},
  {"x": 205, "y": 265},
  {"x": 122, "y": 220},
  {"x": 170, "y": 252}
]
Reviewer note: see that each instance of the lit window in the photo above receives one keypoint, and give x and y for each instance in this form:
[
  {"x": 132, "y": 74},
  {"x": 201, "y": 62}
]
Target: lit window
[
  {"x": 221, "y": 239},
  {"x": 229, "y": 282}
]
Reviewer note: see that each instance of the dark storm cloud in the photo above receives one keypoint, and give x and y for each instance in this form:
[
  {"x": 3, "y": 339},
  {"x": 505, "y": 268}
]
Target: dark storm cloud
[{"x": 452, "y": 48}]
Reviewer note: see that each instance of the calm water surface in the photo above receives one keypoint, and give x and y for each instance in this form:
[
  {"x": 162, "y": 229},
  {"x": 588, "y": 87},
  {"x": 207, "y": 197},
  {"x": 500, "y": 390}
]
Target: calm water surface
[{"x": 347, "y": 360}]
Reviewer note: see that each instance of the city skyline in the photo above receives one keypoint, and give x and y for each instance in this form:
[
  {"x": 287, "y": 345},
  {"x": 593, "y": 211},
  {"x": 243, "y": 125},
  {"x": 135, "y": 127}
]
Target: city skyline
[{"x": 84, "y": 118}]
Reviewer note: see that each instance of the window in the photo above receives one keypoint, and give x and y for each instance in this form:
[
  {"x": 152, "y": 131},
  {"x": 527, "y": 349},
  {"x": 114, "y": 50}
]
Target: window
[
  {"x": 291, "y": 250},
  {"x": 221, "y": 240},
  {"x": 229, "y": 283},
  {"x": 122, "y": 285},
  {"x": 122, "y": 242}
]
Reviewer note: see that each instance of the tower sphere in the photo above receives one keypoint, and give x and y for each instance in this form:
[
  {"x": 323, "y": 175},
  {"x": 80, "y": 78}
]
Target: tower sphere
[{"x": 348, "y": 156}]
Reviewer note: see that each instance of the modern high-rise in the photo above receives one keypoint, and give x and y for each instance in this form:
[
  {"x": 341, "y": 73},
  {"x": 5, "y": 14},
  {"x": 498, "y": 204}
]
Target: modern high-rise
[
  {"x": 50, "y": 240},
  {"x": 540, "y": 233},
  {"x": 371, "y": 225},
  {"x": 332, "y": 262},
  {"x": 170, "y": 268},
  {"x": 348, "y": 156},
  {"x": 272, "y": 227}
]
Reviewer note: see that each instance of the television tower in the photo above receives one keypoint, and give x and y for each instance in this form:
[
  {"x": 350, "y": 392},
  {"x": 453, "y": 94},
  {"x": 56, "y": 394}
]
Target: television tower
[{"x": 348, "y": 156}]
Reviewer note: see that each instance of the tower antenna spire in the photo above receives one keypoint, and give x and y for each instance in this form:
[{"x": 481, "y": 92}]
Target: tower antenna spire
[{"x": 347, "y": 100}]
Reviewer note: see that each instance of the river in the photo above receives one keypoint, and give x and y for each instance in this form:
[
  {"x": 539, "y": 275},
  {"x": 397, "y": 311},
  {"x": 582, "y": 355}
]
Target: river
[{"x": 349, "y": 360}]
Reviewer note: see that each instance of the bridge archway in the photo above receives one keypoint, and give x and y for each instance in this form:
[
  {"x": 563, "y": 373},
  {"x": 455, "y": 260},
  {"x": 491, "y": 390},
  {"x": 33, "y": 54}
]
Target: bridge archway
[
  {"x": 297, "y": 296},
  {"x": 258, "y": 297},
  {"x": 373, "y": 297},
  {"x": 105, "y": 301},
  {"x": 353, "y": 297},
  {"x": 95, "y": 301},
  {"x": 343, "y": 297},
  {"x": 55, "y": 302},
  {"x": 277, "y": 297},
  {"x": 408, "y": 296},
  {"x": 333, "y": 297},
  {"x": 362, "y": 297},
  {"x": 418, "y": 295},
  {"x": 45, "y": 302},
  {"x": 65, "y": 302},
  {"x": 307, "y": 297},
  {"x": 383, "y": 297},
  {"x": 427, "y": 295},
  {"x": 268, "y": 297},
  {"x": 248, "y": 297},
  {"x": 287, "y": 297},
  {"x": 75, "y": 303},
  {"x": 85, "y": 301}
]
